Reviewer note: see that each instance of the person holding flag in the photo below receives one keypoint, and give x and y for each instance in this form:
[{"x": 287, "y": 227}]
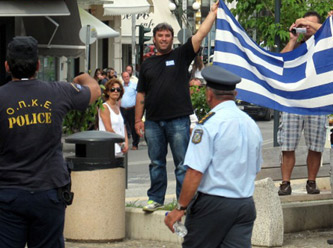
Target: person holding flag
[{"x": 292, "y": 125}]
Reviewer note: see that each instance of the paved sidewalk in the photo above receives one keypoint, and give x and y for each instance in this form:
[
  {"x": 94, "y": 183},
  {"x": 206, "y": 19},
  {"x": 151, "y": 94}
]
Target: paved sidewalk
[{"x": 307, "y": 239}]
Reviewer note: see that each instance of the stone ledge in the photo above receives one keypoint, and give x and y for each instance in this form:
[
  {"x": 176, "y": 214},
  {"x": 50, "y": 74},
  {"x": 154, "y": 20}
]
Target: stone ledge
[
  {"x": 300, "y": 212},
  {"x": 267, "y": 231}
]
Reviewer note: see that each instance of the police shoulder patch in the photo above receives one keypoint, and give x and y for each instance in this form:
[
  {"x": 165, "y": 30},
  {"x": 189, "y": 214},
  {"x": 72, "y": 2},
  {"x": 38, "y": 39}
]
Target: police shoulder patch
[
  {"x": 77, "y": 87},
  {"x": 206, "y": 117},
  {"x": 197, "y": 135}
]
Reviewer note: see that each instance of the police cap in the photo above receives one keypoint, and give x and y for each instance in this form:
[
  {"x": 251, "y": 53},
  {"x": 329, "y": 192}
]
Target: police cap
[
  {"x": 23, "y": 47},
  {"x": 219, "y": 78}
]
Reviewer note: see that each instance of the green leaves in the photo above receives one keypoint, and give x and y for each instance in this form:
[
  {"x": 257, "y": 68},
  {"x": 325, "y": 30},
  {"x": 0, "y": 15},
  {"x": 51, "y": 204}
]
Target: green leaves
[
  {"x": 199, "y": 103},
  {"x": 78, "y": 121}
]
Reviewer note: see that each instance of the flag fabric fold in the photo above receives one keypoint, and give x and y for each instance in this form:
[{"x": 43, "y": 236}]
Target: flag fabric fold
[{"x": 300, "y": 81}]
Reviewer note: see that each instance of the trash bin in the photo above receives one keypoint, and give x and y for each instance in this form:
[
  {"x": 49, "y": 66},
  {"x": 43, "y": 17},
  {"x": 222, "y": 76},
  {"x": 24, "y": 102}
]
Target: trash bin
[{"x": 98, "y": 183}]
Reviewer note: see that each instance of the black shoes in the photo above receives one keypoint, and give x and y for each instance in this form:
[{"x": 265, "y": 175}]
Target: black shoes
[
  {"x": 285, "y": 188},
  {"x": 311, "y": 187}
]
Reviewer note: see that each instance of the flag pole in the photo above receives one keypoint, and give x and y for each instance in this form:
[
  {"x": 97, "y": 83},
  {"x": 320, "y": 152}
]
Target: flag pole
[{"x": 278, "y": 48}]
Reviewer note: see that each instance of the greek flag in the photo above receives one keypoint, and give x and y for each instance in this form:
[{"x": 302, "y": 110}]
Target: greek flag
[{"x": 300, "y": 81}]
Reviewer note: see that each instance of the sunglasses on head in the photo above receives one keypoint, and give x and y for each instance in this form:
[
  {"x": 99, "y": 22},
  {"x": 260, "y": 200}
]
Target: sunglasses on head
[{"x": 113, "y": 89}]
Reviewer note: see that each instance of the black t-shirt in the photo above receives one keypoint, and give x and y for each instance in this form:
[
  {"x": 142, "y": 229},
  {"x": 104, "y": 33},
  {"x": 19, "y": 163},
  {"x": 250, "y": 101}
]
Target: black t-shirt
[
  {"x": 31, "y": 115},
  {"x": 164, "y": 80}
]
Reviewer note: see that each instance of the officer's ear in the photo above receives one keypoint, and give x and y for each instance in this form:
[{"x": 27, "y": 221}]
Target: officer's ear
[
  {"x": 7, "y": 67},
  {"x": 38, "y": 66},
  {"x": 209, "y": 95}
]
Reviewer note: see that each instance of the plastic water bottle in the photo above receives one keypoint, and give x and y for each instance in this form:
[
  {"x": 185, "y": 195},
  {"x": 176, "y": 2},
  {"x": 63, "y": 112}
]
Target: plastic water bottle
[{"x": 179, "y": 228}]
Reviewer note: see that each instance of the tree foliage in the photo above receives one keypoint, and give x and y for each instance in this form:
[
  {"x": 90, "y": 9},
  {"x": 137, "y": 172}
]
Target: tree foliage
[
  {"x": 78, "y": 121},
  {"x": 199, "y": 103},
  {"x": 257, "y": 17}
]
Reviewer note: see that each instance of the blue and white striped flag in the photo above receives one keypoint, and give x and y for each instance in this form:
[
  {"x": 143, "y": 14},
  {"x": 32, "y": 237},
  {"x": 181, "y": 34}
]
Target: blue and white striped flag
[{"x": 300, "y": 81}]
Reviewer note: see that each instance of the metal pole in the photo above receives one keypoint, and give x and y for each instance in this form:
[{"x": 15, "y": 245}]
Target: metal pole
[
  {"x": 133, "y": 62},
  {"x": 184, "y": 17},
  {"x": 87, "y": 49},
  {"x": 209, "y": 39},
  {"x": 278, "y": 48}
]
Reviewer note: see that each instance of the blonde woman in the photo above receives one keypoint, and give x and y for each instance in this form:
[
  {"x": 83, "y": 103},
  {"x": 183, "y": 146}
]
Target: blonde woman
[{"x": 110, "y": 118}]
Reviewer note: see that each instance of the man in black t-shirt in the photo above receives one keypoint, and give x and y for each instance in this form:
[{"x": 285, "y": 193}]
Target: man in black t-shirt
[
  {"x": 32, "y": 169},
  {"x": 163, "y": 93}
]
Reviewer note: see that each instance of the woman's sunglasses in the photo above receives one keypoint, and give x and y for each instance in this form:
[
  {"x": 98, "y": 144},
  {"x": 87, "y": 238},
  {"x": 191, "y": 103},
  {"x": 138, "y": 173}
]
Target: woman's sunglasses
[{"x": 113, "y": 89}]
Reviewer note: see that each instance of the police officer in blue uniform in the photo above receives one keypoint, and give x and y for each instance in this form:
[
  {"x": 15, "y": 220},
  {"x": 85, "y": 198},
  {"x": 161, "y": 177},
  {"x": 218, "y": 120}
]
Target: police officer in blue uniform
[{"x": 223, "y": 158}]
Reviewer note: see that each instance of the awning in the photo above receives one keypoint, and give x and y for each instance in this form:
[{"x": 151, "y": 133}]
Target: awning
[
  {"x": 161, "y": 14},
  {"x": 18, "y": 8},
  {"x": 103, "y": 30},
  {"x": 122, "y": 7},
  {"x": 59, "y": 35}
]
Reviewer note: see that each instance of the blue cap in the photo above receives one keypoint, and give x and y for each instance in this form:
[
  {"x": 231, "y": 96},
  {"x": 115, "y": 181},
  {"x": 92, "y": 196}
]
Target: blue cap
[{"x": 219, "y": 78}]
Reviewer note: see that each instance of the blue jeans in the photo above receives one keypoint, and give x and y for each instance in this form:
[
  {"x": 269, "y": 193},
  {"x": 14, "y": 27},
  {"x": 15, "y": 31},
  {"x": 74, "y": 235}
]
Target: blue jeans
[{"x": 158, "y": 134}]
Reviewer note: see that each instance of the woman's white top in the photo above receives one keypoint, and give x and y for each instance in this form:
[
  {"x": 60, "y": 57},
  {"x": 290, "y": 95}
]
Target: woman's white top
[{"x": 117, "y": 123}]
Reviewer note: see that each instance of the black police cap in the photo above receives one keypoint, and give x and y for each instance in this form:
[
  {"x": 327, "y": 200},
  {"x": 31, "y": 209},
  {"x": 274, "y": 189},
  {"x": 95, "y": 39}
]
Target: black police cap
[
  {"x": 219, "y": 78},
  {"x": 23, "y": 47}
]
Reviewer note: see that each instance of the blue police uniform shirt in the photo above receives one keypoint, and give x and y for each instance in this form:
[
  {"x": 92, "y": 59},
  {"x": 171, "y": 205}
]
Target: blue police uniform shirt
[
  {"x": 129, "y": 97},
  {"x": 226, "y": 148}
]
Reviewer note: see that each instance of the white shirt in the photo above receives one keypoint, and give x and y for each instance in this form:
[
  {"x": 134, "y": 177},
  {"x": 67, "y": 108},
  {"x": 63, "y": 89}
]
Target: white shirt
[{"x": 117, "y": 123}]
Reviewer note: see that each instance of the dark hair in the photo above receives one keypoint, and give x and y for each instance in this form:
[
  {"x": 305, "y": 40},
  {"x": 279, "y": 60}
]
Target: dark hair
[
  {"x": 96, "y": 71},
  {"x": 198, "y": 63},
  {"x": 162, "y": 26},
  {"x": 109, "y": 84},
  {"x": 312, "y": 13},
  {"x": 22, "y": 56},
  {"x": 22, "y": 68}
]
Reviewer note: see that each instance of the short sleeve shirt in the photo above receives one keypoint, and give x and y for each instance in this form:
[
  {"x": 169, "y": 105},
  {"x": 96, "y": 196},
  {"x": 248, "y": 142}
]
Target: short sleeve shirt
[
  {"x": 129, "y": 97},
  {"x": 227, "y": 150},
  {"x": 164, "y": 80},
  {"x": 31, "y": 116}
]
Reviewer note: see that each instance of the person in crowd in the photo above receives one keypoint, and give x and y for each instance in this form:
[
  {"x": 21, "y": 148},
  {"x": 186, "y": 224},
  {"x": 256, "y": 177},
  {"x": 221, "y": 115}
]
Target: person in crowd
[
  {"x": 133, "y": 78},
  {"x": 104, "y": 78},
  {"x": 98, "y": 75},
  {"x": 110, "y": 118},
  {"x": 111, "y": 73},
  {"x": 127, "y": 108},
  {"x": 195, "y": 84},
  {"x": 163, "y": 93},
  {"x": 197, "y": 67},
  {"x": 292, "y": 125},
  {"x": 33, "y": 173},
  {"x": 223, "y": 159},
  {"x": 105, "y": 75}
]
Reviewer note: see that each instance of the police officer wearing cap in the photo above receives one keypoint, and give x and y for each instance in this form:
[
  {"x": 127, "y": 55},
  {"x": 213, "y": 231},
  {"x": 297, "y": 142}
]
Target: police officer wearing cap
[
  {"x": 34, "y": 178},
  {"x": 223, "y": 159}
]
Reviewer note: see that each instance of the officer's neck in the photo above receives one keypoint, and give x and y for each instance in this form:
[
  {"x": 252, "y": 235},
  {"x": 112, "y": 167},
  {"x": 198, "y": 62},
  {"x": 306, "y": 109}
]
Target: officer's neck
[{"x": 22, "y": 79}]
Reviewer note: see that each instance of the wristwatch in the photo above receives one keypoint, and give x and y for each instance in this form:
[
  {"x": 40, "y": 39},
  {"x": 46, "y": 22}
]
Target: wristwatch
[{"x": 180, "y": 207}]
